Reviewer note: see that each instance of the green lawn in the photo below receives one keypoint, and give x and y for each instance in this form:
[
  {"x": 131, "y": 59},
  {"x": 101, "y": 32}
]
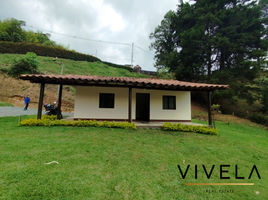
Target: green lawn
[{"x": 102, "y": 163}]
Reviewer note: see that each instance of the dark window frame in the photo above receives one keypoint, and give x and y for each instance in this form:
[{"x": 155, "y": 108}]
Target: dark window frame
[
  {"x": 106, "y": 100},
  {"x": 166, "y": 102}
]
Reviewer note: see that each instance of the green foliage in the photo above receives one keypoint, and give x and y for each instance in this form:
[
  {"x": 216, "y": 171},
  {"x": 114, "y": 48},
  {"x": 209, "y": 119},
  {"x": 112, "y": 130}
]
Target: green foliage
[
  {"x": 189, "y": 128},
  {"x": 27, "y": 64},
  {"x": 48, "y": 66},
  {"x": 44, "y": 50},
  {"x": 52, "y": 121},
  {"x": 38, "y": 37},
  {"x": 263, "y": 83},
  {"x": 5, "y": 104},
  {"x": 260, "y": 119},
  {"x": 163, "y": 73},
  {"x": 214, "y": 41},
  {"x": 215, "y": 108},
  {"x": 119, "y": 66},
  {"x": 10, "y": 30},
  {"x": 39, "y": 43}
]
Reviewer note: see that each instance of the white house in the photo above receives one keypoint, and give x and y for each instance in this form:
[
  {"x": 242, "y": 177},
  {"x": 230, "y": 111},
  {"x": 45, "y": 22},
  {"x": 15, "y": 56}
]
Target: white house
[
  {"x": 92, "y": 102},
  {"x": 127, "y": 99}
]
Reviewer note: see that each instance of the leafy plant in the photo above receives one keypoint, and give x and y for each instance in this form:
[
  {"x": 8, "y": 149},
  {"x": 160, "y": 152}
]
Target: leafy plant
[
  {"x": 27, "y": 64},
  {"x": 189, "y": 128},
  {"x": 163, "y": 73},
  {"x": 52, "y": 121}
]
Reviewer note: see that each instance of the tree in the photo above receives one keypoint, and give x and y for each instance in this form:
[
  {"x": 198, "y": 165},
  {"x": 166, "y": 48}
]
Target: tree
[
  {"x": 164, "y": 41},
  {"x": 263, "y": 84},
  {"x": 217, "y": 41},
  {"x": 209, "y": 35},
  {"x": 10, "y": 30}
]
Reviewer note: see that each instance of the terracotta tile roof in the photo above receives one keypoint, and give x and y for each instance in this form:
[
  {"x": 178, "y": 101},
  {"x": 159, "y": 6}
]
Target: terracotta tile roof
[{"x": 121, "y": 82}]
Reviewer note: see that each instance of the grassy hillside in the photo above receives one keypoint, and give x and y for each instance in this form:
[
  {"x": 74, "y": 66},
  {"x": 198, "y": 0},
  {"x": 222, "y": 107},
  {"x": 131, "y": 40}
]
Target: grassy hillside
[
  {"x": 48, "y": 66},
  {"x": 13, "y": 90},
  {"x": 101, "y": 163}
]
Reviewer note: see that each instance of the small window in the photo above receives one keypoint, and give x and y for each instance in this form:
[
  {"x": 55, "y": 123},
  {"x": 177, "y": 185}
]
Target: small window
[
  {"x": 106, "y": 100},
  {"x": 169, "y": 102}
]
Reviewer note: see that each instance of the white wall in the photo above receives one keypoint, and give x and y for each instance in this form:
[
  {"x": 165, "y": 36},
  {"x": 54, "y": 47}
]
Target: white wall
[
  {"x": 87, "y": 104},
  {"x": 183, "y": 104}
]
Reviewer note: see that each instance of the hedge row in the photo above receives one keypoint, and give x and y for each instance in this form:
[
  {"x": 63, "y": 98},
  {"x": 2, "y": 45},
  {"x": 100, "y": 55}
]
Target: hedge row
[
  {"x": 260, "y": 119},
  {"x": 119, "y": 66},
  {"x": 50, "y": 51},
  {"x": 189, "y": 128},
  {"x": 44, "y": 50},
  {"x": 46, "y": 121}
]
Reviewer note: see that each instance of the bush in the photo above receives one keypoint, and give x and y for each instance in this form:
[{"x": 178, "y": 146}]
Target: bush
[
  {"x": 189, "y": 128},
  {"x": 260, "y": 119},
  {"x": 52, "y": 121},
  {"x": 27, "y": 64}
]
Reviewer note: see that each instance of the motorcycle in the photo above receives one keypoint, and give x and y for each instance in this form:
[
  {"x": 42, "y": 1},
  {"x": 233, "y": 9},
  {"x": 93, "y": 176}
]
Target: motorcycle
[{"x": 52, "y": 109}]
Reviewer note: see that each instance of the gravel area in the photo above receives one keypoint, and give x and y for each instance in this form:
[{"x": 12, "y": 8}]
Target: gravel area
[{"x": 17, "y": 111}]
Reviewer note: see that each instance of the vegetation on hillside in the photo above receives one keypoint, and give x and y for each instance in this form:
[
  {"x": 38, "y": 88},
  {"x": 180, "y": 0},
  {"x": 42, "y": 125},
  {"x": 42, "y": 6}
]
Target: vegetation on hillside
[
  {"x": 26, "y": 64},
  {"x": 11, "y": 31},
  {"x": 49, "y": 65},
  {"x": 15, "y": 40}
]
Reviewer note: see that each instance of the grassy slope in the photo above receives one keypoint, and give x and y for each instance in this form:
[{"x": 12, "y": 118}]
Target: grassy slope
[
  {"x": 10, "y": 88},
  {"x": 49, "y": 66},
  {"x": 100, "y": 163}
]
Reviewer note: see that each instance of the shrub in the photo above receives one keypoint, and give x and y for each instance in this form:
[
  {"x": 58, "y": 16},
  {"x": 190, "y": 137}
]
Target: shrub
[
  {"x": 52, "y": 121},
  {"x": 260, "y": 119},
  {"x": 27, "y": 64},
  {"x": 263, "y": 83},
  {"x": 189, "y": 128}
]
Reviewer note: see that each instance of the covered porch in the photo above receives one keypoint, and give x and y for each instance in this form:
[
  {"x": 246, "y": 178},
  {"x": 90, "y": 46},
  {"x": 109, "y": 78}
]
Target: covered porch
[{"x": 121, "y": 82}]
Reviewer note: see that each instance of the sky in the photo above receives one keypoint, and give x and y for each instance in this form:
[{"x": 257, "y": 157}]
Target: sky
[{"x": 108, "y": 28}]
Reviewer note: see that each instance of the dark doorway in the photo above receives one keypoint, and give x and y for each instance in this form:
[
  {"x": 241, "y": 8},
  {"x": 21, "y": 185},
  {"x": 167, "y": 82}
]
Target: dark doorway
[{"x": 143, "y": 107}]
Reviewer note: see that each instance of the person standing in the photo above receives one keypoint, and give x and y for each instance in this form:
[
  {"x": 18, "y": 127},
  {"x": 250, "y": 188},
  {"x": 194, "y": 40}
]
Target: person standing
[{"x": 26, "y": 101}]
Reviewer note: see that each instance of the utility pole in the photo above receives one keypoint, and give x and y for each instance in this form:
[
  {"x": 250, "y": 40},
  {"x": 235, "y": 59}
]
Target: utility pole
[{"x": 132, "y": 54}]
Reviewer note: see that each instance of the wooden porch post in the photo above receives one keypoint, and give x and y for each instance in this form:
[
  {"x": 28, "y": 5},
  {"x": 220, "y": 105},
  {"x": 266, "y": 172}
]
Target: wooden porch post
[
  {"x": 59, "y": 103},
  {"x": 209, "y": 109},
  {"x": 130, "y": 105},
  {"x": 41, "y": 97}
]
